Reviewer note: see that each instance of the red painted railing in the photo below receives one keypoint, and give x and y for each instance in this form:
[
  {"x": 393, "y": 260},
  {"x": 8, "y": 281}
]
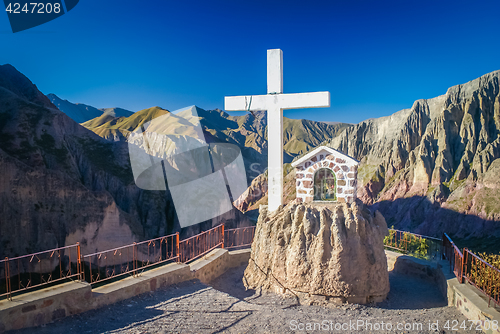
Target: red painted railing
[
  {"x": 454, "y": 256},
  {"x": 34, "y": 270},
  {"x": 414, "y": 244},
  {"x": 482, "y": 275},
  {"x": 200, "y": 244},
  {"x": 469, "y": 267},
  {"x": 131, "y": 258},
  {"x": 239, "y": 237}
]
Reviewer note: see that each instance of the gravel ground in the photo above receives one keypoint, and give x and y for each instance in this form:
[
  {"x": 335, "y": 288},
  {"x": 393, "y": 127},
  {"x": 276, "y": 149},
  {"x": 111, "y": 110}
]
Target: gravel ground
[{"x": 225, "y": 307}]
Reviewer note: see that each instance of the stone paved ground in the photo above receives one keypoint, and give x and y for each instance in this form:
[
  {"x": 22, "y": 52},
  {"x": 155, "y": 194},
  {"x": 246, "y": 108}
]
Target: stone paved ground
[{"x": 225, "y": 307}]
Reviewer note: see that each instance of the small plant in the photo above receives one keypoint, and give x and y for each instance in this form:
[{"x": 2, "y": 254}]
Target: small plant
[
  {"x": 408, "y": 243},
  {"x": 493, "y": 259},
  {"x": 416, "y": 245},
  {"x": 484, "y": 276},
  {"x": 390, "y": 239}
]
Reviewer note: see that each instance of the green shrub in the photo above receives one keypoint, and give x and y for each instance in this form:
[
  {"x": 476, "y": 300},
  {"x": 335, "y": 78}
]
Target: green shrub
[
  {"x": 485, "y": 277},
  {"x": 408, "y": 243}
]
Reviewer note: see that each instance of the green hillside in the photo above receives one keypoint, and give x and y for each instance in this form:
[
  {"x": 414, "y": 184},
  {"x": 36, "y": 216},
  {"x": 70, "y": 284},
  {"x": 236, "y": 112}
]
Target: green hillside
[
  {"x": 118, "y": 128},
  {"x": 248, "y": 132}
]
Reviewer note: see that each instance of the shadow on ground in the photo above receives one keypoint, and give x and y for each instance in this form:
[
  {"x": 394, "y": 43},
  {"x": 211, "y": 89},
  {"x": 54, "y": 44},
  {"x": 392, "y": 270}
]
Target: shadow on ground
[
  {"x": 224, "y": 306},
  {"x": 407, "y": 292},
  {"x": 233, "y": 284},
  {"x": 182, "y": 306},
  {"x": 412, "y": 293}
]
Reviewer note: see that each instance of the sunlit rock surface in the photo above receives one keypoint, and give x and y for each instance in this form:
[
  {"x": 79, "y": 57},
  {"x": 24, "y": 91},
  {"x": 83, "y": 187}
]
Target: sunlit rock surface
[{"x": 329, "y": 251}]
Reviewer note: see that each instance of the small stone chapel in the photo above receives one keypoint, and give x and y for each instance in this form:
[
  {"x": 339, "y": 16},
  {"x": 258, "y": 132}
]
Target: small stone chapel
[{"x": 325, "y": 174}]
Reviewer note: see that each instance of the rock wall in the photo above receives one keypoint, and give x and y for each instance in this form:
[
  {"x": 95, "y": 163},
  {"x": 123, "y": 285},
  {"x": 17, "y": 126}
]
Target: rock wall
[
  {"x": 61, "y": 183},
  {"x": 423, "y": 165},
  {"x": 431, "y": 168},
  {"x": 111, "y": 232},
  {"x": 331, "y": 251}
]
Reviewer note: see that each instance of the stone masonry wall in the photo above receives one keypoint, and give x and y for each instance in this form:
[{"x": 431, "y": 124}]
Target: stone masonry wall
[{"x": 345, "y": 171}]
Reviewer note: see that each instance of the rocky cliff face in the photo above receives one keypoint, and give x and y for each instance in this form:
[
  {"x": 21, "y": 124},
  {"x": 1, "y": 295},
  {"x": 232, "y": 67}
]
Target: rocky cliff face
[
  {"x": 58, "y": 178},
  {"x": 61, "y": 183},
  {"x": 330, "y": 251},
  {"x": 433, "y": 160},
  {"x": 446, "y": 139},
  {"x": 431, "y": 168}
]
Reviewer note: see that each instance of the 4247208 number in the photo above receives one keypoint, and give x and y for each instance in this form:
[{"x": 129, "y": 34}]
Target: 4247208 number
[{"x": 34, "y": 8}]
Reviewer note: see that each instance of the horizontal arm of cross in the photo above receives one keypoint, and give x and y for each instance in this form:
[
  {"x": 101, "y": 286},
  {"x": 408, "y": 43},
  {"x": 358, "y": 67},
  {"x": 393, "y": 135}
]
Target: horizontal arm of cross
[
  {"x": 250, "y": 102},
  {"x": 282, "y": 101},
  {"x": 304, "y": 100}
]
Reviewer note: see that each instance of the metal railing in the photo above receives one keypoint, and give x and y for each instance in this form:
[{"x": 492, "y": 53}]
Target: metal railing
[
  {"x": 454, "y": 256},
  {"x": 414, "y": 244},
  {"x": 111, "y": 263},
  {"x": 239, "y": 237},
  {"x": 482, "y": 275},
  {"x": 468, "y": 267},
  {"x": 34, "y": 270},
  {"x": 200, "y": 244}
]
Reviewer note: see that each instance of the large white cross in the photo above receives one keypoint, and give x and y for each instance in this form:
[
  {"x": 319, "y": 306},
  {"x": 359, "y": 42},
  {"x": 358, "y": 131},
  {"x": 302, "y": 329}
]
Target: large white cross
[{"x": 275, "y": 102}]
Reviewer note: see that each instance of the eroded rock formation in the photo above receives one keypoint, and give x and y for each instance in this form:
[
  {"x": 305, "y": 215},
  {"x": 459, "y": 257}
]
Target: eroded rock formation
[
  {"x": 61, "y": 183},
  {"x": 331, "y": 251},
  {"x": 431, "y": 168}
]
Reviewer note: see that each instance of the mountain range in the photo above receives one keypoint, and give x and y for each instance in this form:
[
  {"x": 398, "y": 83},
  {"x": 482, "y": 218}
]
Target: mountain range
[
  {"x": 80, "y": 112},
  {"x": 435, "y": 167},
  {"x": 63, "y": 182},
  {"x": 248, "y": 132},
  {"x": 431, "y": 168}
]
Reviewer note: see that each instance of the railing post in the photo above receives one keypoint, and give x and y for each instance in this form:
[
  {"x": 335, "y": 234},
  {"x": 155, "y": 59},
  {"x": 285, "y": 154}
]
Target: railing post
[
  {"x": 78, "y": 261},
  {"x": 7, "y": 279},
  {"x": 406, "y": 241},
  {"x": 440, "y": 250},
  {"x": 490, "y": 287},
  {"x": 464, "y": 264},
  {"x": 134, "y": 259},
  {"x": 177, "y": 247},
  {"x": 443, "y": 247},
  {"x": 222, "y": 236}
]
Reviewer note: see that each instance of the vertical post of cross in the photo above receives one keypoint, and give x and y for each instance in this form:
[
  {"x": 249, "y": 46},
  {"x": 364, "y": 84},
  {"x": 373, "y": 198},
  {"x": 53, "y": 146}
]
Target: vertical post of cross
[
  {"x": 274, "y": 71},
  {"x": 275, "y": 129},
  {"x": 275, "y": 102}
]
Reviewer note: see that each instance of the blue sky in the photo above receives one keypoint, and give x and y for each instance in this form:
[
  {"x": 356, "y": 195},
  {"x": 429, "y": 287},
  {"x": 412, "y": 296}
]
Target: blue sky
[{"x": 375, "y": 57}]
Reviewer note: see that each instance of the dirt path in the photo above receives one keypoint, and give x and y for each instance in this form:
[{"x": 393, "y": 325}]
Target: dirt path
[{"x": 225, "y": 307}]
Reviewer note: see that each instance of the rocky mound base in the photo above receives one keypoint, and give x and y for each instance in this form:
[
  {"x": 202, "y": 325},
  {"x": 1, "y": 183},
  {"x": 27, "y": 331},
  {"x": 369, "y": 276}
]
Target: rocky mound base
[{"x": 326, "y": 251}]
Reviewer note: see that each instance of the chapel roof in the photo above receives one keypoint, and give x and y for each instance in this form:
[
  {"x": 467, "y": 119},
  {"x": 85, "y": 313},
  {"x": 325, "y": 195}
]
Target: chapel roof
[{"x": 327, "y": 149}]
